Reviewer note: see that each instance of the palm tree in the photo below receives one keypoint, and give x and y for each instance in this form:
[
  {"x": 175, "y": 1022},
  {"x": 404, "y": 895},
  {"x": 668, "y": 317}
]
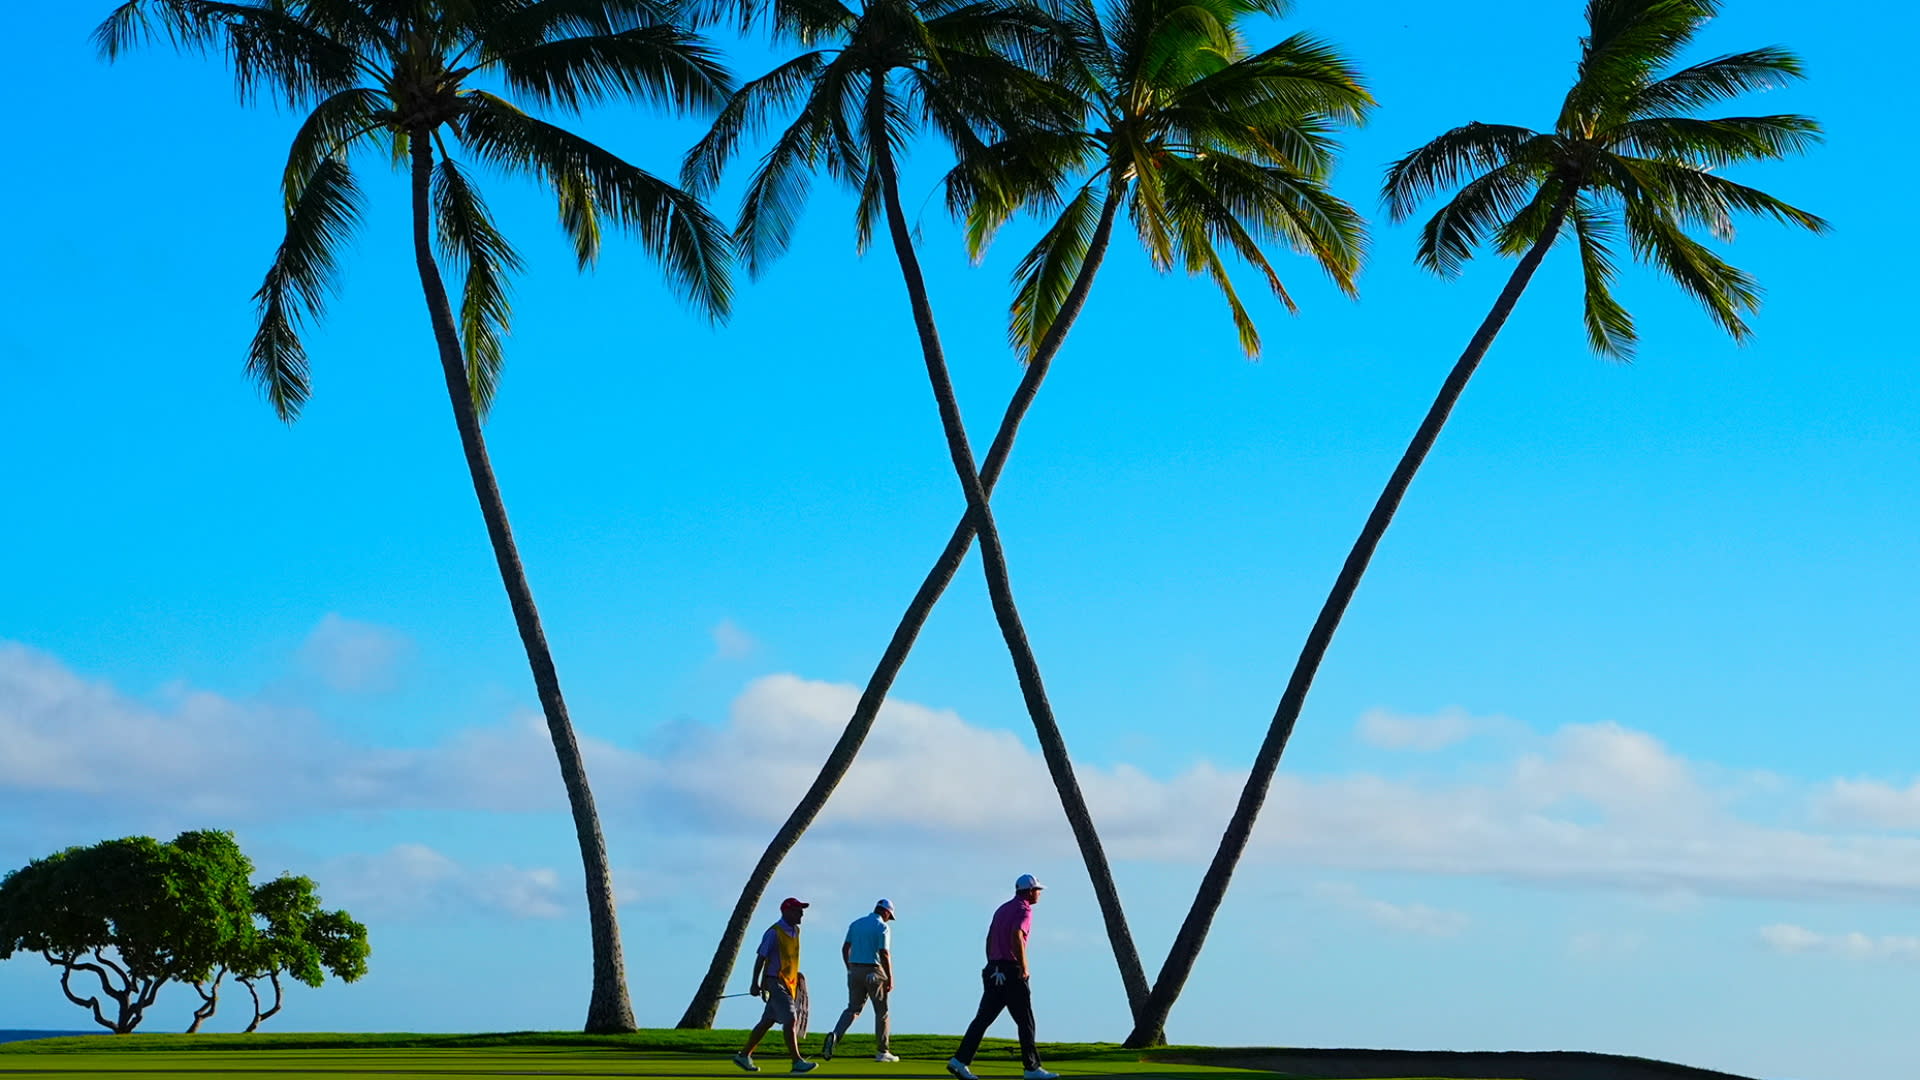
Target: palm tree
[
  {"x": 405, "y": 75},
  {"x": 1268, "y": 113},
  {"x": 1627, "y": 155}
]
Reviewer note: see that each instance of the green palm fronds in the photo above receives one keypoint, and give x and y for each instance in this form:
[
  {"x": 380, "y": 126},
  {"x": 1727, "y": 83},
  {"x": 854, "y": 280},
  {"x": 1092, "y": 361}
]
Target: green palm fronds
[
  {"x": 1215, "y": 151},
  {"x": 1627, "y": 159},
  {"x": 388, "y": 73}
]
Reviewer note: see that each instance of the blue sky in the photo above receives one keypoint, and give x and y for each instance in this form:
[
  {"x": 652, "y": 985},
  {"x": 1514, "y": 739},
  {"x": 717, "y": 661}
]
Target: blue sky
[{"x": 1615, "y": 750}]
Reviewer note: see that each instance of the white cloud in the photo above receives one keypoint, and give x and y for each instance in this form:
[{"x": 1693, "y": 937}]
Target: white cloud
[
  {"x": 355, "y": 657},
  {"x": 1416, "y": 919},
  {"x": 1588, "y": 805},
  {"x": 732, "y": 643},
  {"x": 1787, "y": 938},
  {"x": 414, "y": 882},
  {"x": 1871, "y": 803},
  {"x": 1395, "y": 731}
]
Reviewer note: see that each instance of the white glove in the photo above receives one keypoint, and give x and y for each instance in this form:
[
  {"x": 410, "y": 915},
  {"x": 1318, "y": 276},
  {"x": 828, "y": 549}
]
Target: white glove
[{"x": 999, "y": 978}]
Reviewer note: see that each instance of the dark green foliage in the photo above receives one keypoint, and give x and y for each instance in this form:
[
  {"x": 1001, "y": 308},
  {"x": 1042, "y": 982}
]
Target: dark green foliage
[
  {"x": 136, "y": 914},
  {"x": 294, "y": 937},
  {"x": 133, "y": 914},
  {"x": 1214, "y": 149},
  {"x": 1627, "y": 160},
  {"x": 878, "y": 70}
]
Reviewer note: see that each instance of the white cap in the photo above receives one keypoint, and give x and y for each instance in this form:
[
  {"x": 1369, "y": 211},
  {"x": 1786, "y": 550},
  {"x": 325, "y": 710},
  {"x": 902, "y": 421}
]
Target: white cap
[
  {"x": 1027, "y": 881},
  {"x": 884, "y": 905}
]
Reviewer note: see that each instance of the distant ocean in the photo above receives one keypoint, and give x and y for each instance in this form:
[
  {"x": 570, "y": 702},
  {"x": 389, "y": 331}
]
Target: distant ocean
[{"x": 16, "y": 1036}]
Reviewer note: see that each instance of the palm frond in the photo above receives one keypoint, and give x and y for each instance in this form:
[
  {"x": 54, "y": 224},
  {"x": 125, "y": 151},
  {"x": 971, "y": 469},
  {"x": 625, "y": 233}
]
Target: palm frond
[
  {"x": 1697, "y": 197},
  {"x": 778, "y": 188},
  {"x": 670, "y": 224},
  {"x": 329, "y": 131},
  {"x": 471, "y": 244},
  {"x": 744, "y": 114},
  {"x": 1627, "y": 41},
  {"x": 1481, "y": 207},
  {"x": 1552, "y": 200},
  {"x": 1203, "y": 220},
  {"x": 1302, "y": 76},
  {"x": 519, "y": 24},
  {"x": 303, "y": 275},
  {"x": 1714, "y": 81},
  {"x": 1047, "y": 272},
  {"x": 1729, "y": 140},
  {"x": 1723, "y": 290},
  {"x": 186, "y": 24},
  {"x": 1027, "y": 170},
  {"x": 659, "y": 63},
  {"x": 271, "y": 49},
  {"x": 1609, "y": 328},
  {"x": 1448, "y": 160}
]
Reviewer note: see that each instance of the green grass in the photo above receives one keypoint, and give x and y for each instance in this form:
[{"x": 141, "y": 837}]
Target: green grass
[{"x": 682, "y": 1055}]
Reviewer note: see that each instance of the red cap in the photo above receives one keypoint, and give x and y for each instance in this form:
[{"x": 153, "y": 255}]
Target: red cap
[{"x": 790, "y": 902}]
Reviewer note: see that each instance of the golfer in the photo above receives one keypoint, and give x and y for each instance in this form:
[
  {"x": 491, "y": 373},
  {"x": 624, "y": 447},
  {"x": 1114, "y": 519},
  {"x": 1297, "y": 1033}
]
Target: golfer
[
  {"x": 869, "y": 957},
  {"x": 1003, "y": 983},
  {"x": 776, "y": 973}
]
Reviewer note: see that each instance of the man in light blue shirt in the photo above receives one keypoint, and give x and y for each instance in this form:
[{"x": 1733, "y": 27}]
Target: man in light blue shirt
[{"x": 868, "y": 952}]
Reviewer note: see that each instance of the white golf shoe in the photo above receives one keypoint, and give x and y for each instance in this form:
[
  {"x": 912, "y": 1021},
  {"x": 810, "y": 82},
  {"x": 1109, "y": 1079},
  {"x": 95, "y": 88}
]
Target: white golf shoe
[
  {"x": 1039, "y": 1074},
  {"x": 884, "y": 1056},
  {"x": 959, "y": 1070}
]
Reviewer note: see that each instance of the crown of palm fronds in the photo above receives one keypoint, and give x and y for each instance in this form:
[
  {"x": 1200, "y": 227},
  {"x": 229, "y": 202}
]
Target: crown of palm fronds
[
  {"x": 869, "y": 78},
  {"x": 1627, "y": 158},
  {"x": 388, "y": 72},
  {"x": 1213, "y": 148}
]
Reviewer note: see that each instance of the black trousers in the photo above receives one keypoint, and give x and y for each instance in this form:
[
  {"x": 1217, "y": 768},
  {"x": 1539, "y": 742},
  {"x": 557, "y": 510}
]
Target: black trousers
[{"x": 1010, "y": 993}]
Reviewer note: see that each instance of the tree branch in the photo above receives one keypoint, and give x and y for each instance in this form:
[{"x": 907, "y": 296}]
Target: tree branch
[{"x": 67, "y": 967}]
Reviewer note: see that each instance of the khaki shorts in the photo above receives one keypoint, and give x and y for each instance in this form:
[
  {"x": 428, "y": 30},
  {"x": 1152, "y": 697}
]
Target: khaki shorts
[{"x": 779, "y": 1008}]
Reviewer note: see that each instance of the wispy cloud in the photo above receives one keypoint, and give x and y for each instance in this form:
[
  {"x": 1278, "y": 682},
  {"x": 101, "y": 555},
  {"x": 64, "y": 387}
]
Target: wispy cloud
[
  {"x": 1599, "y": 805},
  {"x": 413, "y": 882},
  {"x": 1871, "y": 803},
  {"x": 1390, "y": 730},
  {"x": 1418, "y": 919},
  {"x": 355, "y": 657},
  {"x": 1788, "y": 938},
  {"x": 732, "y": 643}
]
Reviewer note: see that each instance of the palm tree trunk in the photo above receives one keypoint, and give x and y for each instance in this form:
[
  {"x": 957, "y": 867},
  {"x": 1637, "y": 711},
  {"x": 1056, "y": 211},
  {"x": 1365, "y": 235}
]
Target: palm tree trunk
[
  {"x": 993, "y": 562},
  {"x": 608, "y": 1008},
  {"x": 705, "y": 1005},
  {"x": 1150, "y": 1024}
]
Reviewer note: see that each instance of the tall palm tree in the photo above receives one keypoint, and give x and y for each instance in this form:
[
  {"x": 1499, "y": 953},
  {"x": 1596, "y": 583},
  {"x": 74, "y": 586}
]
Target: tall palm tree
[
  {"x": 409, "y": 77},
  {"x": 1271, "y": 112},
  {"x": 1627, "y": 155}
]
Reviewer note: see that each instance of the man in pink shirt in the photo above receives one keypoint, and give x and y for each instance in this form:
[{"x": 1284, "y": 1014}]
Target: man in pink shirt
[{"x": 1003, "y": 983}]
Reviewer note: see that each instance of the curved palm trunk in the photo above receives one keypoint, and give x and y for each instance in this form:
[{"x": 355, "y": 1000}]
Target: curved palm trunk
[
  {"x": 608, "y": 1009},
  {"x": 701, "y": 1011},
  {"x": 993, "y": 562},
  {"x": 1150, "y": 1022}
]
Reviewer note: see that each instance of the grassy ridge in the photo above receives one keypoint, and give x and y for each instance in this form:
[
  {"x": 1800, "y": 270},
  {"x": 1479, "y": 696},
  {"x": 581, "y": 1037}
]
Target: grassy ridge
[
  {"x": 717, "y": 1043},
  {"x": 681, "y": 1055}
]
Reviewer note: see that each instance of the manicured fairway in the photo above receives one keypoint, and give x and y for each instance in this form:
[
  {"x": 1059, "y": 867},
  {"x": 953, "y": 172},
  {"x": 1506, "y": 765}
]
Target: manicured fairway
[{"x": 528, "y": 1061}]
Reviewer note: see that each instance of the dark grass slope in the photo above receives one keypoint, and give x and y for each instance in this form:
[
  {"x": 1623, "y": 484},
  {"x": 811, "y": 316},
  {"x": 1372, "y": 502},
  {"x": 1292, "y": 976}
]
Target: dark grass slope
[
  {"x": 1514, "y": 1064},
  {"x": 1351, "y": 1064}
]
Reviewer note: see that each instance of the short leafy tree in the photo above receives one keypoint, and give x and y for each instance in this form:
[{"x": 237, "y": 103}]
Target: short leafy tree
[
  {"x": 294, "y": 937},
  {"x": 125, "y": 917},
  {"x": 290, "y": 936}
]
